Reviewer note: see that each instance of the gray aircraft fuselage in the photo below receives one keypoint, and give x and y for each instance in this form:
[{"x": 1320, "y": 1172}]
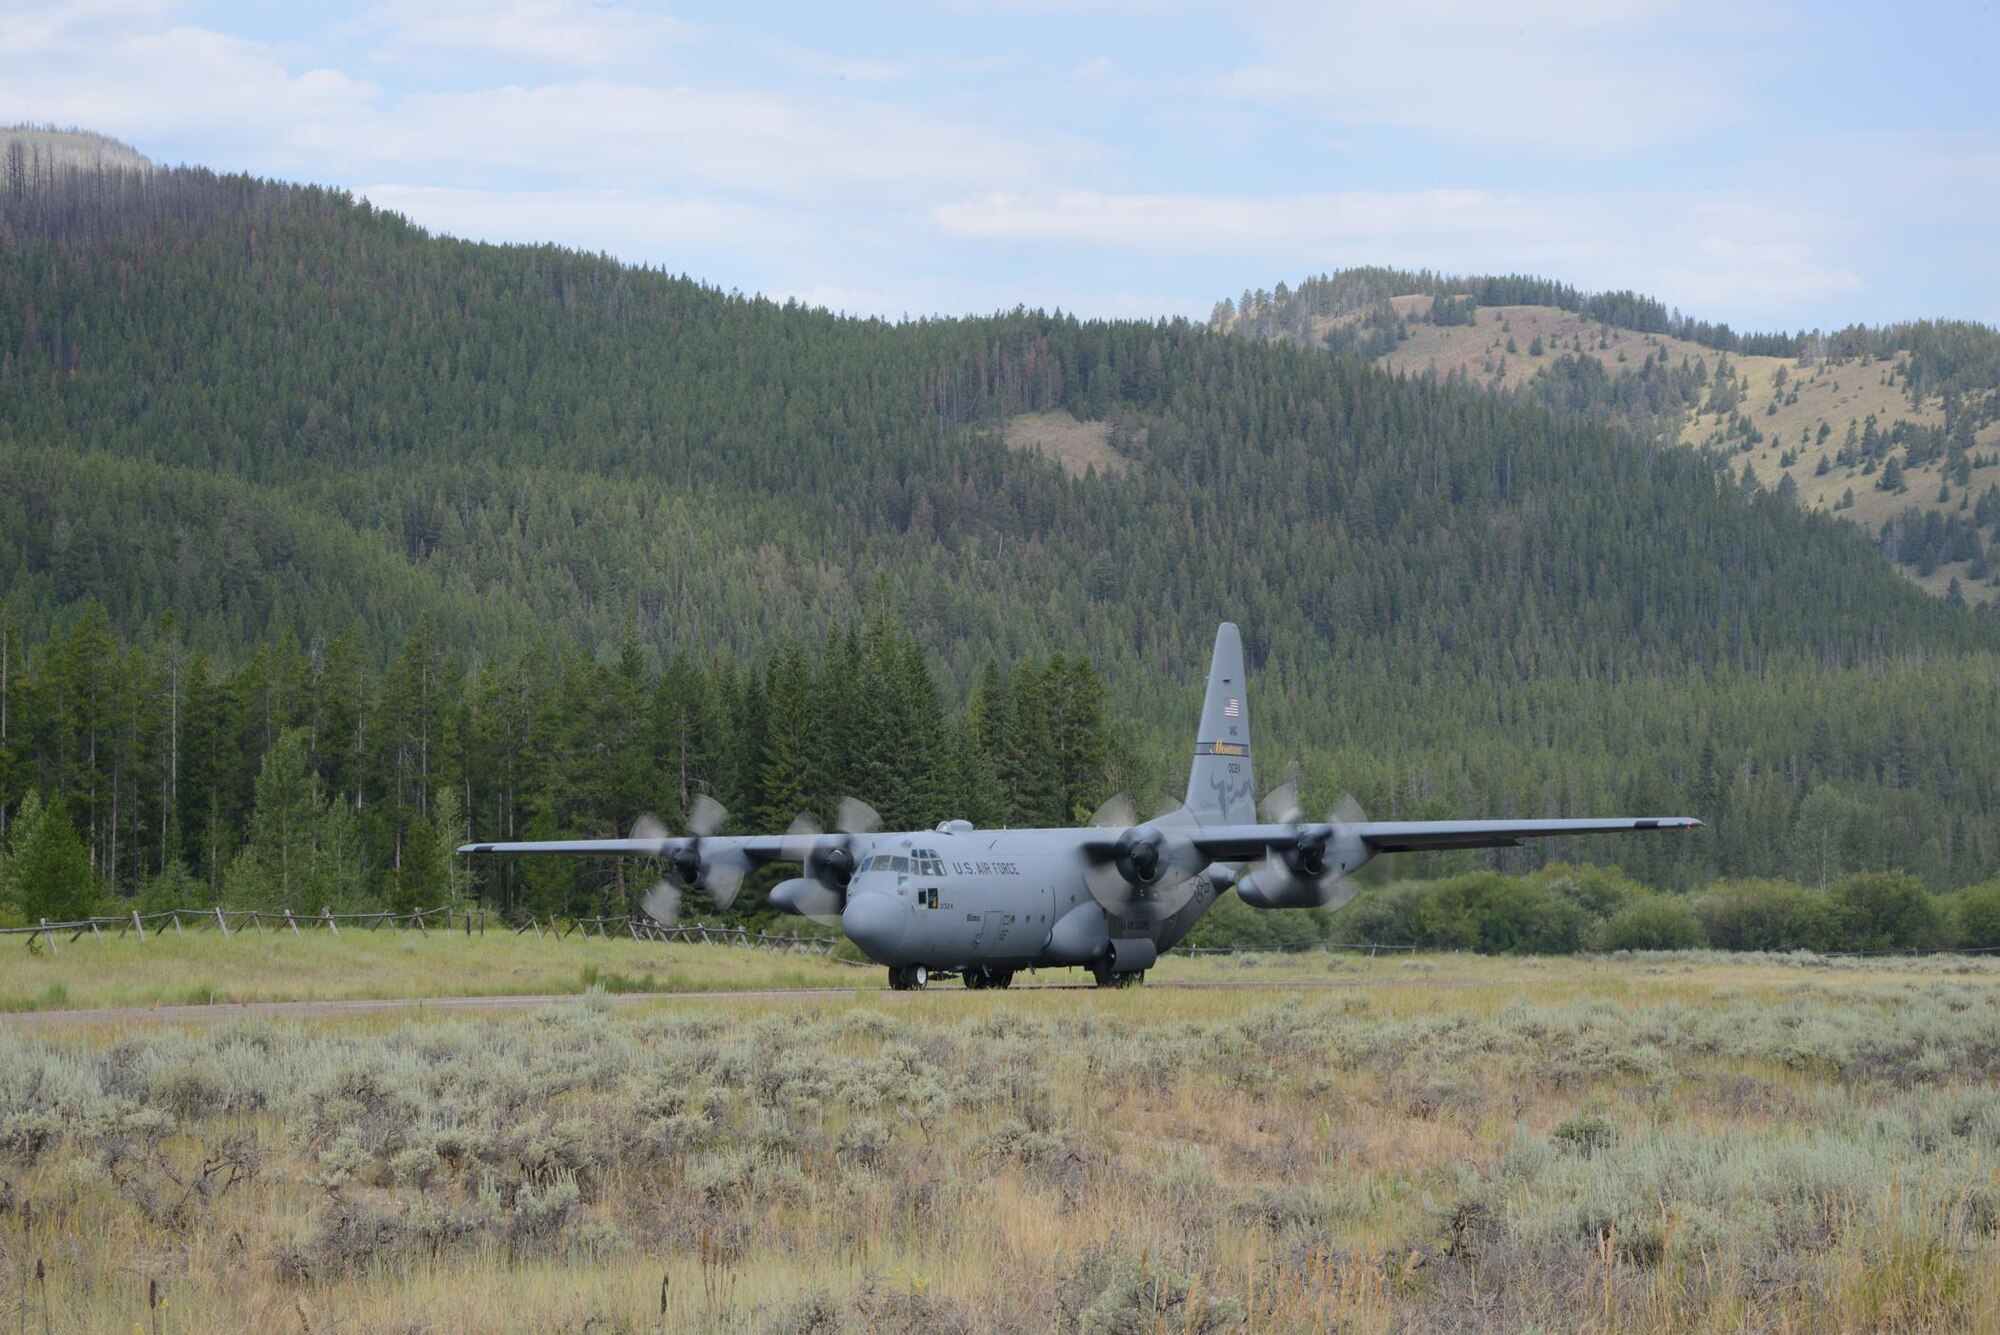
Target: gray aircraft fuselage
[{"x": 957, "y": 899}]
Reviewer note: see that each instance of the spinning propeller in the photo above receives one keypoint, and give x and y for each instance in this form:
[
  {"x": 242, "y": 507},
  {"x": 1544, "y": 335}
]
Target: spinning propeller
[
  {"x": 1151, "y": 864},
  {"x": 718, "y": 869},
  {"x": 1312, "y": 873},
  {"x": 830, "y": 859}
]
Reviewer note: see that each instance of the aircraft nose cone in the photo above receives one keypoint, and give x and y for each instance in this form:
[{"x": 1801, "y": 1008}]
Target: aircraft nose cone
[{"x": 876, "y": 923}]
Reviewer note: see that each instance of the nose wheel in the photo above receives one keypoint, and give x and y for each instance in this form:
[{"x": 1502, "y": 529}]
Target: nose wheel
[{"x": 908, "y": 977}]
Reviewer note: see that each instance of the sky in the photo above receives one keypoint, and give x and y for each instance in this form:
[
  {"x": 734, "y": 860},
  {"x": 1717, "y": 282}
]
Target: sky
[{"x": 1769, "y": 165}]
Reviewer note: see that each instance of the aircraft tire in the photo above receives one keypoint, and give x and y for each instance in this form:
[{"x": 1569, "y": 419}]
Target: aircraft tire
[
  {"x": 1002, "y": 978},
  {"x": 899, "y": 980},
  {"x": 975, "y": 979}
]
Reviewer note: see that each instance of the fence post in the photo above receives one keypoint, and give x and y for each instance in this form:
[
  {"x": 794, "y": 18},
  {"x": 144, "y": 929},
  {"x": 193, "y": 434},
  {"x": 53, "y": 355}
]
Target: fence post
[
  {"x": 139, "y": 927},
  {"x": 221, "y": 921},
  {"x": 326, "y": 913},
  {"x": 50, "y": 935},
  {"x": 177, "y": 924},
  {"x": 292, "y": 923}
]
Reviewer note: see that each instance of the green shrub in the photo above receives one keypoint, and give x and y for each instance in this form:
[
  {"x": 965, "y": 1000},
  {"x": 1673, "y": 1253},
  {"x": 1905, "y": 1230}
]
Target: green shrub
[
  {"x": 1766, "y": 915},
  {"x": 1976, "y": 916},
  {"x": 1385, "y": 916},
  {"x": 1499, "y": 915},
  {"x": 1886, "y": 911},
  {"x": 1656, "y": 922},
  {"x": 1598, "y": 891}
]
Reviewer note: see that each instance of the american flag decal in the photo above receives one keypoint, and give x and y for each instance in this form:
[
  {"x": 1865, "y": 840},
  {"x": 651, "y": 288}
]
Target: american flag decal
[{"x": 1233, "y": 708}]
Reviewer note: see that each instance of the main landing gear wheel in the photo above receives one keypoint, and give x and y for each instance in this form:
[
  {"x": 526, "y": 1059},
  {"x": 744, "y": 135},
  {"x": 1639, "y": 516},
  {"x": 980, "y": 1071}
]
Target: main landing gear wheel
[
  {"x": 981, "y": 978},
  {"x": 1109, "y": 977},
  {"x": 908, "y": 977}
]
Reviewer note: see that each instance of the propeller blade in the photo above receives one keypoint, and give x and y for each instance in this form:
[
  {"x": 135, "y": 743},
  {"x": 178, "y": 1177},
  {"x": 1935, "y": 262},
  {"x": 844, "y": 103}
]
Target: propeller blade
[
  {"x": 706, "y": 816},
  {"x": 801, "y": 837},
  {"x": 725, "y": 878},
  {"x": 855, "y": 816},
  {"x": 1281, "y": 804},
  {"x": 1346, "y": 812},
  {"x": 648, "y": 827},
  {"x": 1115, "y": 814},
  {"x": 1337, "y": 891},
  {"x": 663, "y": 903}
]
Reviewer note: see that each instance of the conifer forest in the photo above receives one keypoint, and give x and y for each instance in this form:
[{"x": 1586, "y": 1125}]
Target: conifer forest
[{"x": 326, "y": 544}]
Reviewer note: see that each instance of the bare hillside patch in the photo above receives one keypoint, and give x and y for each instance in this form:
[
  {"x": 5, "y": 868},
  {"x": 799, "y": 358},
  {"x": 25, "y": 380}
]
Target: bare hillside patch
[{"x": 1078, "y": 446}]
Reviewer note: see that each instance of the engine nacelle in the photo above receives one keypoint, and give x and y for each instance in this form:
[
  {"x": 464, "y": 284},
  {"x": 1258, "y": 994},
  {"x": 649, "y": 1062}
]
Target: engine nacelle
[
  {"x": 1272, "y": 887},
  {"x": 807, "y": 898},
  {"x": 1311, "y": 875}
]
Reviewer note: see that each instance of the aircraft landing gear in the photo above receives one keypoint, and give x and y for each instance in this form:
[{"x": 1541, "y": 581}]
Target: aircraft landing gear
[
  {"x": 908, "y": 977},
  {"x": 979, "y": 978},
  {"x": 1109, "y": 977}
]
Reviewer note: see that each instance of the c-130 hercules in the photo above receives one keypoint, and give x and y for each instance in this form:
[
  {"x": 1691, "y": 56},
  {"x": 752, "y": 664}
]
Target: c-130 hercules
[{"x": 1109, "y": 897}]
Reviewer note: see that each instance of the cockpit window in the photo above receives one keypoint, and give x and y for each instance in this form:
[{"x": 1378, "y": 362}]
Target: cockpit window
[{"x": 901, "y": 864}]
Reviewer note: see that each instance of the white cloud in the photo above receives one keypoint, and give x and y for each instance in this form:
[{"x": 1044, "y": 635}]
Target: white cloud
[
  {"x": 631, "y": 226},
  {"x": 1709, "y": 255},
  {"x": 569, "y": 34},
  {"x": 762, "y": 144},
  {"x": 137, "y": 84},
  {"x": 240, "y": 99},
  {"x": 1590, "y": 77}
]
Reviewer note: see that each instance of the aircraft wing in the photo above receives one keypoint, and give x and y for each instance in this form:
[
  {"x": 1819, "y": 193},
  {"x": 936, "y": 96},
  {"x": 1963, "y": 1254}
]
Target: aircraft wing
[
  {"x": 1242, "y": 843},
  {"x": 757, "y": 848}
]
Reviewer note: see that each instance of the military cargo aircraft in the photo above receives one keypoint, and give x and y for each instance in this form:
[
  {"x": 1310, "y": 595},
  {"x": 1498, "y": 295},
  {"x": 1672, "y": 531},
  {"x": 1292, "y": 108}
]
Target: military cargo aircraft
[{"x": 1109, "y": 897}]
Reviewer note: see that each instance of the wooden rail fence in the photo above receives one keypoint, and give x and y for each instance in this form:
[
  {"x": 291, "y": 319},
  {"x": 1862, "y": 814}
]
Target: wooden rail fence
[{"x": 472, "y": 921}]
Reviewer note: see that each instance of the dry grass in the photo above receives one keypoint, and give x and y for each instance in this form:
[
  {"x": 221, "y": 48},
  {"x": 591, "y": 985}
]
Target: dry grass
[
  {"x": 1078, "y": 446},
  {"x": 1836, "y": 394},
  {"x": 1644, "y": 1144},
  {"x": 200, "y": 968}
]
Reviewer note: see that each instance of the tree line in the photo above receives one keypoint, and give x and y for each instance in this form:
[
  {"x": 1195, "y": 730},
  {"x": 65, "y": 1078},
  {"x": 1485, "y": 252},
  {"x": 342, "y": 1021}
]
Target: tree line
[
  {"x": 304, "y": 778},
  {"x": 1564, "y": 908}
]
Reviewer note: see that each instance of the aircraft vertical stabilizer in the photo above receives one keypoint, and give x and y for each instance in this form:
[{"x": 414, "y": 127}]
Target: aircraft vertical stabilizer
[{"x": 1221, "y": 790}]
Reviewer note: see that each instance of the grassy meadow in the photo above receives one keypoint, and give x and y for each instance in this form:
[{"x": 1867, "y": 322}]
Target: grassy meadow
[
  {"x": 1646, "y": 1143},
  {"x": 205, "y": 967}
]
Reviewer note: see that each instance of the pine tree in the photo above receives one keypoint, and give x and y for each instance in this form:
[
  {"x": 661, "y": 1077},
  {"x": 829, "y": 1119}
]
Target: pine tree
[
  {"x": 785, "y": 770},
  {"x": 275, "y": 868},
  {"x": 50, "y": 867}
]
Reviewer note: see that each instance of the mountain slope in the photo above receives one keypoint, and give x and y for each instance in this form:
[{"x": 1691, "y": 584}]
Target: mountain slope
[
  {"x": 270, "y": 408},
  {"x": 1819, "y": 417}
]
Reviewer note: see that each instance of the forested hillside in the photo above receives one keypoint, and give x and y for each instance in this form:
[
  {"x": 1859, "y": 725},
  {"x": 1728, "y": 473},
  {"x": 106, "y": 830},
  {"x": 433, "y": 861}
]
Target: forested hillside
[
  {"x": 1895, "y": 429},
  {"x": 267, "y": 411}
]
